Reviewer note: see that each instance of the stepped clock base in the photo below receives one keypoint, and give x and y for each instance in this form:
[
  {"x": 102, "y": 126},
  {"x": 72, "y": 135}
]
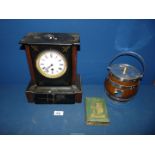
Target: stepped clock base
[{"x": 55, "y": 94}]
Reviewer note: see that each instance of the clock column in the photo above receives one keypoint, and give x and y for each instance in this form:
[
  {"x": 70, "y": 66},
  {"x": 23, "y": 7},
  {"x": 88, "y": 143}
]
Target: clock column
[
  {"x": 29, "y": 59},
  {"x": 74, "y": 63}
]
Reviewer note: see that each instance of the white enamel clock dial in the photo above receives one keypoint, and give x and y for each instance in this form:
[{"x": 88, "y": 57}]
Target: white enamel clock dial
[{"x": 51, "y": 64}]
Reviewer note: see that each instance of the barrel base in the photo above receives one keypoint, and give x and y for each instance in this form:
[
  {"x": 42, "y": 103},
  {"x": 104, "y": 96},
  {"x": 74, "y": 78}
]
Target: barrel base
[{"x": 116, "y": 98}]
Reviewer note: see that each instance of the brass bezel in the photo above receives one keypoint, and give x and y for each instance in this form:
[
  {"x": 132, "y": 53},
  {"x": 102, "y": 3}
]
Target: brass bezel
[{"x": 47, "y": 75}]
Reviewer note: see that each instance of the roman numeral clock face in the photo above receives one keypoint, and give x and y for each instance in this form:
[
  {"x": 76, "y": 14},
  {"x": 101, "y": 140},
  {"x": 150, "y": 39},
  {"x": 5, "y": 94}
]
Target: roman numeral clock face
[{"x": 51, "y": 64}]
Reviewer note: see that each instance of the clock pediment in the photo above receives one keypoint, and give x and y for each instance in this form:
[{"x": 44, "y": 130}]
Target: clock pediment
[{"x": 51, "y": 39}]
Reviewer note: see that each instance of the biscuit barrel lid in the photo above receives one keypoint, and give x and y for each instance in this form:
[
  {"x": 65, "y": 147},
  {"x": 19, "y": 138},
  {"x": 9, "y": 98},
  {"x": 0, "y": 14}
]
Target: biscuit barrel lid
[{"x": 126, "y": 71}]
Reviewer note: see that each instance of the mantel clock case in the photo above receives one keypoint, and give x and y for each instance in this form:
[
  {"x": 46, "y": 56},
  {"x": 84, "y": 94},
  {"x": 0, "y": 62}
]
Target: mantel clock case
[{"x": 52, "y": 59}]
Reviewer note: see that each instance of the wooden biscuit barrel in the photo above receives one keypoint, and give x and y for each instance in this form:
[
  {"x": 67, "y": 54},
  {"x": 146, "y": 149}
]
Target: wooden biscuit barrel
[{"x": 123, "y": 80}]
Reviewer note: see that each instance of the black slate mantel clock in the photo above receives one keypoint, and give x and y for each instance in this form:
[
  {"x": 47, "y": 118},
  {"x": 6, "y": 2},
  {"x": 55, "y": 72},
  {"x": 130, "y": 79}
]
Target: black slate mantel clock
[{"x": 52, "y": 60}]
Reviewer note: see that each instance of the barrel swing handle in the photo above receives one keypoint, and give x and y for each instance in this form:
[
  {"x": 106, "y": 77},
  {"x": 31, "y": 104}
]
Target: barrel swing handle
[{"x": 133, "y": 54}]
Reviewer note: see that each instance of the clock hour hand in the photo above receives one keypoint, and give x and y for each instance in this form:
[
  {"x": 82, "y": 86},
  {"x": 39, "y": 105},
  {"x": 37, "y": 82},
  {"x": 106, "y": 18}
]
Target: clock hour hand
[{"x": 49, "y": 66}]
